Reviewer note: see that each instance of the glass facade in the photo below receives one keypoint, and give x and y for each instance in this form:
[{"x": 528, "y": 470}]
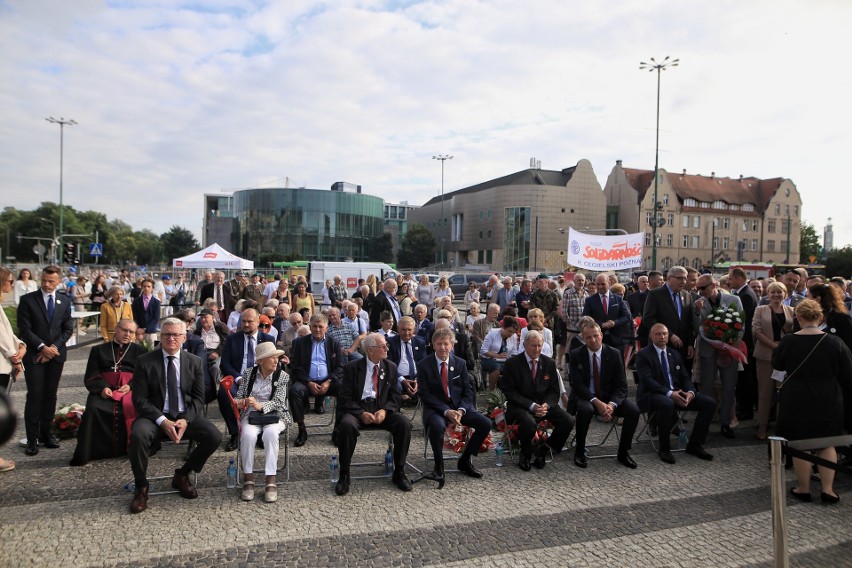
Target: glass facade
[
  {"x": 312, "y": 223},
  {"x": 516, "y": 239}
]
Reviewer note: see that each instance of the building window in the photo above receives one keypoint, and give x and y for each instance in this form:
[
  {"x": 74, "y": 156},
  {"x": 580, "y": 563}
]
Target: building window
[
  {"x": 488, "y": 234},
  {"x": 726, "y": 223},
  {"x": 785, "y": 226},
  {"x": 719, "y": 205},
  {"x": 745, "y": 225},
  {"x": 715, "y": 242},
  {"x": 481, "y": 214},
  {"x": 770, "y": 226},
  {"x": 787, "y": 209},
  {"x": 686, "y": 221},
  {"x": 777, "y": 208},
  {"x": 754, "y": 225},
  {"x": 705, "y": 205},
  {"x": 480, "y": 257},
  {"x": 667, "y": 263},
  {"x": 754, "y": 244},
  {"x": 516, "y": 239},
  {"x": 697, "y": 263},
  {"x": 683, "y": 262},
  {"x": 685, "y": 243},
  {"x": 770, "y": 245},
  {"x": 734, "y": 207},
  {"x": 670, "y": 240},
  {"x": 457, "y": 229},
  {"x": 489, "y": 256},
  {"x": 666, "y": 199},
  {"x": 480, "y": 234},
  {"x": 748, "y": 207},
  {"x": 489, "y": 213},
  {"x": 726, "y": 243},
  {"x": 647, "y": 239},
  {"x": 796, "y": 210},
  {"x": 695, "y": 241},
  {"x": 670, "y": 220},
  {"x": 648, "y": 217},
  {"x": 689, "y": 202},
  {"x": 696, "y": 222}
]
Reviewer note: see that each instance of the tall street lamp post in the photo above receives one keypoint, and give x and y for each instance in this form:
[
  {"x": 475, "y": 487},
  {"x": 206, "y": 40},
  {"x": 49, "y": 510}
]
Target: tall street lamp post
[
  {"x": 61, "y": 122},
  {"x": 443, "y": 158},
  {"x": 659, "y": 67}
]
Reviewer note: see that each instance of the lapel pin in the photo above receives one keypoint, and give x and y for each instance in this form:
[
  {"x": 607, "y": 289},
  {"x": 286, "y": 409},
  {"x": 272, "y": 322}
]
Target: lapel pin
[{"x": 452, "y": 369}]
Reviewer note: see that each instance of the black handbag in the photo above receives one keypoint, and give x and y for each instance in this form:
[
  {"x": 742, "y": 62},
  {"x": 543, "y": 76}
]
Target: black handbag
[{"x": 258, "y": 418}]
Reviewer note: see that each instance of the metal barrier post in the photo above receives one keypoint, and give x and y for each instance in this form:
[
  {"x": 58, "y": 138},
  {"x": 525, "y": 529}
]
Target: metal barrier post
[{"x": 779, "y": 510}]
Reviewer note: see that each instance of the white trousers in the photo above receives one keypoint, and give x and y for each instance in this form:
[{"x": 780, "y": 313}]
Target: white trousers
[{"x": 248, "y": 439}]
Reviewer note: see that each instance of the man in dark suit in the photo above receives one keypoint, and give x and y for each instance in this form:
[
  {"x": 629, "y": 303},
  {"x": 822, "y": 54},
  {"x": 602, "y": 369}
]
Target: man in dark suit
[
  {"x": 168, "y": 394},
  {"x": 44, "y": 324},
  {"x": 385, "y": 301},
  {"x": 599, "y": 386},
  {"x": 315, "y": 370},
  {"x": 636, "y": 300},
  {"x": 237, "y": 356},
  {"x": 448, "y": 398},
  {"x": 423, "y": 327},
  {"x": 531, "y": 385},
  {"x": 226, "y": 294},
  {"x": 671, "y": 306},
  {"x": 146, "y": 311},
  {"x": 665, "y": 387},
  {"x": 609, "y": 312},
  {"x": 404, "y": 350},
  {"x": 747, "y": 380},
  {"x": 369, "y": 398}
]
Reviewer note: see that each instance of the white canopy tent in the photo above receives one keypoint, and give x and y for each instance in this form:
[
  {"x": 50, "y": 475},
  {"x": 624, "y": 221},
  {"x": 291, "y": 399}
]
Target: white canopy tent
[{"x": 212, "y": 257}]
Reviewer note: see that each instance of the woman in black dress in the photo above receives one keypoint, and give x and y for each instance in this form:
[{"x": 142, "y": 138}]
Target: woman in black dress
[
  {"x": 836, "y": 319},
  {"x": 819, "y": 377}
]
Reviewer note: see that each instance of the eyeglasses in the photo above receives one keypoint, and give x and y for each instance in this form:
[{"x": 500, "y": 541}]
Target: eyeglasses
[
  {"x": 264, "y": 326},
  {"x": 383, "y": 347},
  {"x": 171, "y": 335},
  {"x": 702, "y": 288},
  {"x": 124, "y": 329},
  {"x": 678, "y": 277}
]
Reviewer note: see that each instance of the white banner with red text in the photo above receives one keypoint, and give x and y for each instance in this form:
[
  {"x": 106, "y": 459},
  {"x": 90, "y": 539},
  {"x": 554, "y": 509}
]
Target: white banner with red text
[{"x": 604, "y": 252}]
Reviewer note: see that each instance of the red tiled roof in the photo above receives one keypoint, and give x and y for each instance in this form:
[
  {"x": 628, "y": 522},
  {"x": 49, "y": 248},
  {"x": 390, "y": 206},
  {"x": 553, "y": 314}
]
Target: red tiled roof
[{"x": 709, "y": 189}]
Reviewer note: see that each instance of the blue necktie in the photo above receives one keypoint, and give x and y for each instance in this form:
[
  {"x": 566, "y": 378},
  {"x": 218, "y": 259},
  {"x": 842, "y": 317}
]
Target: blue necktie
[
  {"x": 50, "y": 307},
  {"x": 665, "y": 364},
  {"x": 412, "y": 370},
  {"x": 676, "y": 299},
  {"x": 250, "y": 352}
]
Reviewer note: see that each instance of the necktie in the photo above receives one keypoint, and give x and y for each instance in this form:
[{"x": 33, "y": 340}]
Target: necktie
[
  {"x": 412, "y": 370},
  {"x": 219, "y": 304},
  {"x": 445, "y": 380},
  {"x": 676, "y": 300},
  {"x": 596, "y": 375},
  {"x": 50, "y": 307},
  {"x": 603, "y": 300},
  {"x": 665, "y": 365},
  {"x": 533, "y": 369},
  {"x": 249, "y": 352},
  {"x": 375, "y": 381},
  {"x": 172, "y": 386}
]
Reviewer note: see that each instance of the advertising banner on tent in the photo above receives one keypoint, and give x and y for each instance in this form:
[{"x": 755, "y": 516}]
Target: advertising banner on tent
[{"x": 604, "y": 252}]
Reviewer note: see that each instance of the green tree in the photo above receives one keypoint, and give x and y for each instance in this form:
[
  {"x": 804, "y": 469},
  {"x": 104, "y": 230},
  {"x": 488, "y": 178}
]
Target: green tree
[
  {"x": 149, "y": 248},
  {"x": 839, "y": 262},
  {"x": 178, "y": 242},
  {"x": 381, "y": 249},
  {"x": 809, "y": 243},
  {"x": 418, "y": 247}
]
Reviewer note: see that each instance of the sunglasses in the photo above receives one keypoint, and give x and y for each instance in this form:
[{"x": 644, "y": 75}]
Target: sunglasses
[{"x": 264, "y": 326}]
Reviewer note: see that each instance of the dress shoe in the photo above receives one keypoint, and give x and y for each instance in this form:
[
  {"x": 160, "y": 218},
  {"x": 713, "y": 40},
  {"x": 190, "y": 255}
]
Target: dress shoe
[
  {"x": 401, "y": 480},
  {"x": 319, "y": 409},
  {"x": 438, "y": 470},
  {"x": 233, "y": 443},
  {"x": 140, "y": 500},
  {"x": 342, "y": 487},
  {"x": 540, "y": 456},
  {"x": 524, "y": 462},
  {"x": 625, "y": 460},
  {"x": 50, "y": 441},
  {"x": 698, "y": 451},
  {"x": 728, "y": 432},
  {"x": 666, "y": 456},
  {"x": 184, "y": 486},
  {"x": 828, "y": 499},
  {"x": 467, "y": 467},
  {"x": 248, "y": 491},
  {"x": 804, "y": 497},
  {"x": 301, "y": 438},
  {"x": 31, "y": 449},
  {"x": 270, "y": 495},
  {"x": 580, "y": 460}
]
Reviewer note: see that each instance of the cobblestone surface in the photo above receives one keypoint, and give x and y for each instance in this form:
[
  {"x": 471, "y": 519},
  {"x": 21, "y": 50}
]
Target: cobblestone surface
[{"x": 691, "y": 514}]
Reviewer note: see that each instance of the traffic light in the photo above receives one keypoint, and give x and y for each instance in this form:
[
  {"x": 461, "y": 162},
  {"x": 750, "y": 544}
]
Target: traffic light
[{"x": 70, "y": 253}]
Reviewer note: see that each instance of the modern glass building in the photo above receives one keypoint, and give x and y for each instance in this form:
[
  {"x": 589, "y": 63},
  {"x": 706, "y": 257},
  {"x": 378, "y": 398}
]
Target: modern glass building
[{"x": 315, "y": 224}]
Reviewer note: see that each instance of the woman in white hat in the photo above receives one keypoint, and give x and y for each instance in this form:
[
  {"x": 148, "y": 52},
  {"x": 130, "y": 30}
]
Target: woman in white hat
[{"x": 262, "y": 401}]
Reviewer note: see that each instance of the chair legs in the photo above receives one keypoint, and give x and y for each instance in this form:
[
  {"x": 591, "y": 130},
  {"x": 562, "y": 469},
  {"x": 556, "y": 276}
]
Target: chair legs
[{"x": 644, "y": 433}]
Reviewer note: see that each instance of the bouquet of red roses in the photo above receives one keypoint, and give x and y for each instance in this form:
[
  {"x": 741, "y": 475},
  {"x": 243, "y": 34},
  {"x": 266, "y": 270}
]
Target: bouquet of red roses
[{"x": 724, "y": 328}]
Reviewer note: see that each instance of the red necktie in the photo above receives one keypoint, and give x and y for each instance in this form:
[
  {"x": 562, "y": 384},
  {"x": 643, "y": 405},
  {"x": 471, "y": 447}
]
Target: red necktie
[
  {"x": 376, "y": 381},
  {"x": 603, "y": 299},
  {"x": 445, "y": 381},
  {"x": 533, "y": 369},
  {"x": 596, "y": 375}
]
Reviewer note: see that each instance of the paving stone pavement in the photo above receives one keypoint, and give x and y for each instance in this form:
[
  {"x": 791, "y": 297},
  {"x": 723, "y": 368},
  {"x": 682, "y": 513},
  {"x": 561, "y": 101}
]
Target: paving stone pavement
[{"x": 690, "y": 514}]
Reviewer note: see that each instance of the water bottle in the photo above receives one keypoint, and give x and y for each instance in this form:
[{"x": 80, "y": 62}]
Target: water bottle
[
  {"x": 232, "y": 474},
  {"x": 388, "y": 462},
  {"x": 131, "y": 487},
  {"x": 498, "y": 455},
  {"x": 682, "y": 439},
  {"x": 326, "y": 403},
  {"x": 334, "y": 469}
]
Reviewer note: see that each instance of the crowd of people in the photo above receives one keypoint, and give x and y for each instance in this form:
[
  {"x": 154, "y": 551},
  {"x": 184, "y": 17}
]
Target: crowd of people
[{"x": 265, "y": 350}]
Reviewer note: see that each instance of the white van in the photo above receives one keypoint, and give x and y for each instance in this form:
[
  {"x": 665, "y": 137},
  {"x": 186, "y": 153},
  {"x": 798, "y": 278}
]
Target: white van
[{"x": 320, "y": 271}]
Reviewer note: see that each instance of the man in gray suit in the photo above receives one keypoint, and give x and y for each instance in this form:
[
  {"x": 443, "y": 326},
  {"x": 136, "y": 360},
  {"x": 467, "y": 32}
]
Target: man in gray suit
[
  {"x": 168, "y": 394},
  {"x": 713, "y": 357}
]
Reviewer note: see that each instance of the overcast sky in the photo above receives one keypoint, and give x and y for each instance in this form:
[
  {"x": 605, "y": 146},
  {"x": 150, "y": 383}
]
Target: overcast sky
[{"x": 176, "y": 99}]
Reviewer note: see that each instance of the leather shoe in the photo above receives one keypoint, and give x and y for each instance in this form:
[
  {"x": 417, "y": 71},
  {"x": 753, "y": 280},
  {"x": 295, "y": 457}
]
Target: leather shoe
[
  {"x": 467, "y": 467},
  {"x": 50, "y": 441},
  {"x": 233, "y": 443},
  {"x": 524, "y": 462},
  {"x": 401, "y": 480},
  {"x": 698, "y": 452},
  {"x": 540, "y": 459},
  {"x": 140, "y": 500},
  {"x": 666, "y": 456},
  {"x": 301, "y": 438},
  {"x": 184, "y": 486},
  {"x": 580, "y": 460},
  {"x": 625, "y": 460},
  {"x": 342, "y": 487},
  {"x": 31, "y": 449},
  {"x": 728, "y": 432}
]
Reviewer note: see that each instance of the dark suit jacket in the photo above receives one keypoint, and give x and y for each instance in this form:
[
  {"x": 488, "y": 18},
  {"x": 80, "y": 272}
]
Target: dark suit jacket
[
  {"x": 149, "y": 385},
  {"x": 221, "y": 330},
  {"x": 659, "y": 308},
  {"x": 612, "y": 378},
  {"x": 650, "y": 375},
  {"x": 426, "y": 329},
  {"x": 617, "y": 311},
  {"x": 517, "y": 382},
  {"x": 418, "y": 349},
  {"x": 229, "y": 299},
  {"x": 636, "y": 302},
  {"x": 195, "y": 345},
  {"x": 34, "y": 328},
  {"x": 232, "y": 355},
  {"x": 431, "y": 389},
  {"x": 380, "y": 304},
  {"x": 300, "y": 358},
  {"x": 354, "y": 374},
  {"x": 749, "y": 301},
  {"x": 148, "y": 319}
]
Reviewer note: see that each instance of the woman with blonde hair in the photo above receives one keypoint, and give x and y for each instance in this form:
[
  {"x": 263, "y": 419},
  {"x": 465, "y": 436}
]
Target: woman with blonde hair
[
  {"x": 771, "y": 322},
  {"x": 443, "y": 288},
  {"x": 12, "y": 349},
  {"x": 113, "y": 311}
]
